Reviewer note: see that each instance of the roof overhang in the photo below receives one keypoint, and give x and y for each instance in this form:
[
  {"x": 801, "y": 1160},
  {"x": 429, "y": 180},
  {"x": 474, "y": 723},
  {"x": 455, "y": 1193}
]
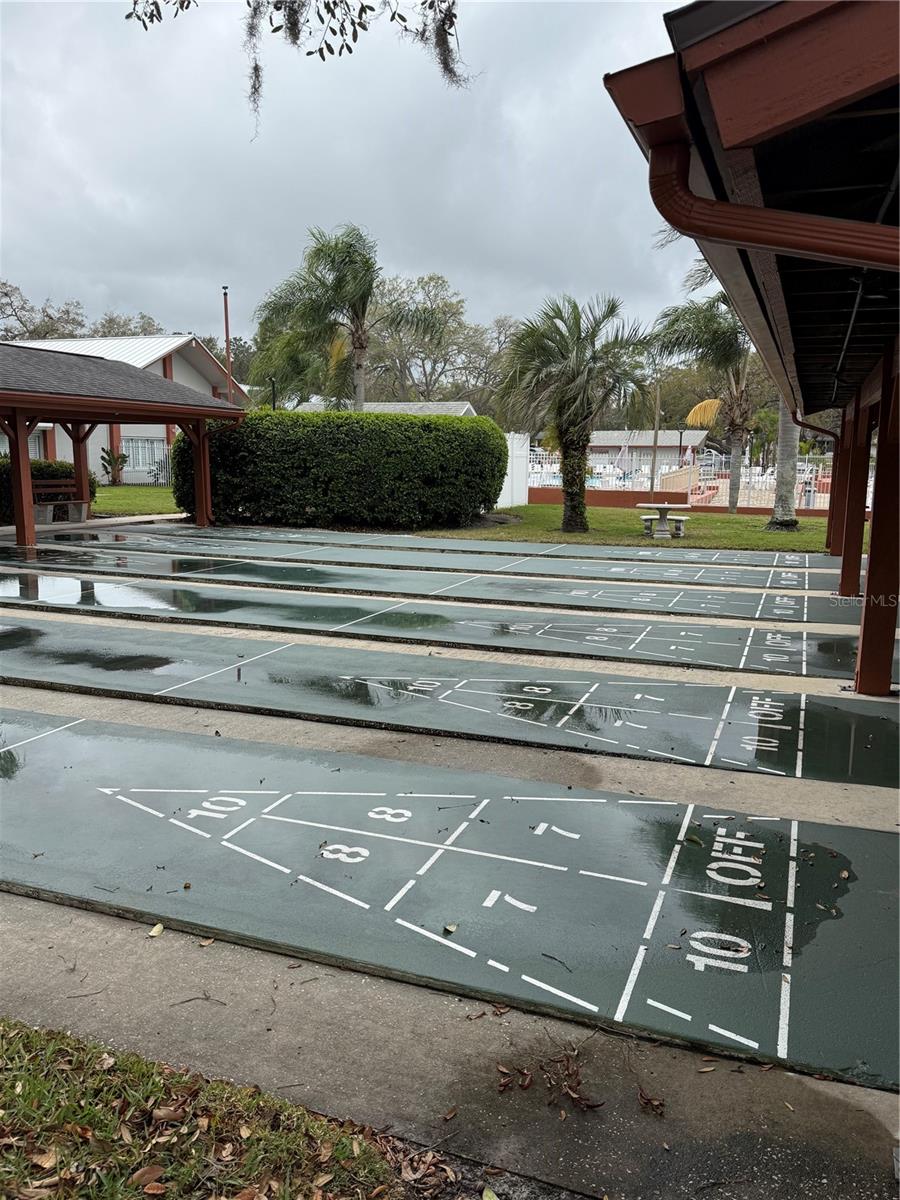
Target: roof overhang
[
  {"x": 707, "y": 117},
  {"x": 55, "y": 407}
]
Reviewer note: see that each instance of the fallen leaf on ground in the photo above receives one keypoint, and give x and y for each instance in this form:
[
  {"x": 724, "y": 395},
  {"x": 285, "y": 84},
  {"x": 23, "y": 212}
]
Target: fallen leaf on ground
[
  {"x": 207, "y": 941},
  {"x": 448, "y": 929},
  {"x": 321, "y": 1180},
  {"x": 450, "y": 1113},
  {"x": 156, "y": 930},
  {"x": 105, "y": 1061},
  {"x": 475, "y": 1016},
  {"x": 125, "y": 1135},
  {"x": 786, "y": 1105},
  {"x": 154, "y": 1189},
  {"x": 168, "y": 1114},
  {"x": 488, "y": 1194},
  {"x": 148, "y": 1174},
  {"x": 767, "y": 1067},
  {"x": 45, "y": 1159},
  {"x": 247, "y": 1193},
  {"x": 245, "y": 1131},
  {"x": 705, "y": 1070}
]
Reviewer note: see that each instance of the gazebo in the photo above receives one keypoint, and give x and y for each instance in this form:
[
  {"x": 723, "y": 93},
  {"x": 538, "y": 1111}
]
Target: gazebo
[
  {"x": 771, "y": 136},
  {"x": 79, "y": 392}
]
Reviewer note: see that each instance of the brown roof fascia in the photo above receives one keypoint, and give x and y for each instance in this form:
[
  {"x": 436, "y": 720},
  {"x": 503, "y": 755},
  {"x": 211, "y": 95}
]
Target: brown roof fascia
[
  {"x": 751, "y": 30},
  {"x": 85, "y": 408},
  {"x": 805, "y": 71},
  {"x": 650, "y": 100}
]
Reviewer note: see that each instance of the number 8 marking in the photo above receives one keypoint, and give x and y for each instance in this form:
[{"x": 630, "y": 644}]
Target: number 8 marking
[
  {"x": 383, "y": 813},
  {"x": 346, "y": 854}
]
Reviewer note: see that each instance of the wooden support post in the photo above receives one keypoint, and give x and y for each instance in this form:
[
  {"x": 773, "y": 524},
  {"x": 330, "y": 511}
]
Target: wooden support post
[
  {"x": 836, "y": 508},
  {"x": 50, "y": 443},
  {"x": 80, "y": 461},
  {"x": 17, "y": 431},
  {"x": 199, "y": 438},
  {"x": 875, "y": 658},
  {"x": 855, "y": 504}
]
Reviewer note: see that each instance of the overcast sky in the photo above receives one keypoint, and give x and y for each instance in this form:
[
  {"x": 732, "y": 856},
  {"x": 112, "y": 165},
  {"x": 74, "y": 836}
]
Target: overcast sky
[{"x": 133, "y": 177}]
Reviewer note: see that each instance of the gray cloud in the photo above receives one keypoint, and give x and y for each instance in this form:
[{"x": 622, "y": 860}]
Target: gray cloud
[{"x": 133, "y": 177}]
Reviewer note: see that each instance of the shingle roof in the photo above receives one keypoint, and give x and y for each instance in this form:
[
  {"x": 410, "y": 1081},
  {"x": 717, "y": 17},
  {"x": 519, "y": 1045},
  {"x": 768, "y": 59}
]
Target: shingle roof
[
  {"x": 24, "y": 369},
  {"x": 423, "y": 408}
]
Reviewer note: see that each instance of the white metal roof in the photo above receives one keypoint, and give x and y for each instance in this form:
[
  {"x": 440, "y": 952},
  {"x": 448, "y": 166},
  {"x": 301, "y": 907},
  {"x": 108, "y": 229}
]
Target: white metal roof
[
  {"x": 137, "y": 351},
  {"x": 416, "y": 408}
]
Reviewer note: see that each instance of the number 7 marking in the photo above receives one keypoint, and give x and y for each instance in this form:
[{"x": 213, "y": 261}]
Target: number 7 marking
[{"x": 543, "y": 827}]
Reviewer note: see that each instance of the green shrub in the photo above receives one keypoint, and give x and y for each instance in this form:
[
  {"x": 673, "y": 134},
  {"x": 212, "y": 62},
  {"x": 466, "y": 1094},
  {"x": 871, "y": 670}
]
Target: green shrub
[
  {"x": 389, "y": 470},
  {"x": 41, "y": 468}
]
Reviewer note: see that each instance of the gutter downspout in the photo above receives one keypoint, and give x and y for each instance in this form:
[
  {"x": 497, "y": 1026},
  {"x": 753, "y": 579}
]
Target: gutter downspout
[{"x": 826, "y": 239}]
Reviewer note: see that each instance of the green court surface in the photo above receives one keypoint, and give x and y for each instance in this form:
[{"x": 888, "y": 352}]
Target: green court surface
[
  {"x": 747, "y": 934},
  {"x": 780, "y": 733},
  {"x": 653, "y": 551},
  {"x": 388, "y": 559},
  {"x": 480, "y": 588},
  {"x": 733, "y": 648}
]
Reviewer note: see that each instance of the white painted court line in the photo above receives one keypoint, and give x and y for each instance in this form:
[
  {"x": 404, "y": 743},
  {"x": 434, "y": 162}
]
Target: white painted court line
[
  {"x": 437, "y": 938},
  {"x": 143, "y": 807},
  {"x": 564, "y": 799},
  {"x": 368, "y": 616},
  {"x": 676, "y": 849},
  {"x": 257, "y": 857},
  {"x": 801, "y": 729},
  {"x": 231, "y": 667},
  {"x": 324, "y": 887},
  {"x": 46, "y": 733},
  {"x": 238, "y": 829},
  {"x": 556, "y": 992},
  {"x": 395, "y": 899},
  {"x": 720, "y": 727},
  {"x": 746, "y": 647},
  {"x": 459, "y": 583},
  {"x": 190, "y": 828},
  {"x": 478, "y": 808},
  {"x": 614, "y": 878},
  {"x": 575, "y": 707},
  {"x": 654, "y": 916},
  {"x": 735, "y": 1037},
  {"x": 632, "y": 980},
  {"x": 784, "y": 1011},
  {"x": 500, "y": 966},
  {"x": 275, "y": 804},
  {"x": 787, "y": 957},
  {"x": 676, "y": 1012}
]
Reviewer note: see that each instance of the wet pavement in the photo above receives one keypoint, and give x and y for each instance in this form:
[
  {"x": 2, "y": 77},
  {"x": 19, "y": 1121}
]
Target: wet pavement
[
  {"x": 534, "y": 564},
  {"x": 763, "y": 936},
  {"x": 741, "y": 648},
  {"x": 581, "y": 594},
  {"x": 788, "y": 734},
  {"x": 652, "y": 552}
]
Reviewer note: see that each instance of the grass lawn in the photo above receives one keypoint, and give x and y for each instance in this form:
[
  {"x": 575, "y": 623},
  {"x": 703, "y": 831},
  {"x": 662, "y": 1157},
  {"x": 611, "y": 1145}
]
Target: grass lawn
[
  {"x": 622, "y": 527},
  {"x": 78, "y": 1120},
  {"x": 133, "y": 501}
]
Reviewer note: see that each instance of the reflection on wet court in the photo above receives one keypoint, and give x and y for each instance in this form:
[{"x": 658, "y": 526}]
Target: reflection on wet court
[
  {"x": 773, "y": 732},
  {"x": 742, "y": 648},
  {"x": 592, "y": 595},
  {"x": 745, "y": 933}
]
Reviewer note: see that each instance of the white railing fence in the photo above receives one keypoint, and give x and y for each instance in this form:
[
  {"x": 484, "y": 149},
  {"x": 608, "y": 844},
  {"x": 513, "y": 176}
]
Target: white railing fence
[{"x": 706, "y": 480}]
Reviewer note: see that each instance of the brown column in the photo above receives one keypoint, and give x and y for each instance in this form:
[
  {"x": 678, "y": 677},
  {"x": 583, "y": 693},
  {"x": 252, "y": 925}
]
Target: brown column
[
  {"x": 17, "y": 431},
  {"x": 168, "y": 373},
  {"x": 80, "y": 435},
  {"x": 835, "y": 532},
  {"x": 202, "y": 481},
  {"x": 875, "y": 658},
  {"x": 855, "y": 506},
  {"x": 50, "y": 443}
]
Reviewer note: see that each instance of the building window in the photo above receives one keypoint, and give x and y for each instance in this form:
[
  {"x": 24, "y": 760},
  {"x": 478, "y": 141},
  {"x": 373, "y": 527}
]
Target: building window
[{"x": 143, "y": 452}]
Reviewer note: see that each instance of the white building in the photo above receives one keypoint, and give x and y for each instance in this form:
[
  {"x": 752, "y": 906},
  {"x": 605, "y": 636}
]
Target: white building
[
  {"x": 633, "y": 448},
  {"x": 179, "y": 357}
]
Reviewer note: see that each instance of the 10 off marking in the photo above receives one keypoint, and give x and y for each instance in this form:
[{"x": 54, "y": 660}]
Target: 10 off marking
[{"x": 735, "y": 861}]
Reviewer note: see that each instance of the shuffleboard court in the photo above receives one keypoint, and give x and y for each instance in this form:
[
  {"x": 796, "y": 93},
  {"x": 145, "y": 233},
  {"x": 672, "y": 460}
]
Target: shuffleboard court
[
  {"x": 772, "y": 732},
  {"x": 752, "y": 935},
  {"x": 591, "y": 595},
  {"x": 735, "y": 648},
  {"x": 489, "y": 564},
  {"x": 407, "y": 541}
]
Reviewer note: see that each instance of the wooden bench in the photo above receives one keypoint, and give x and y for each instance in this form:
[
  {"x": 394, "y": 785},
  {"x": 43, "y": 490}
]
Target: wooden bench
[
  {"x": 678, "y": 524},
  {"x": 48, "y": 493}
]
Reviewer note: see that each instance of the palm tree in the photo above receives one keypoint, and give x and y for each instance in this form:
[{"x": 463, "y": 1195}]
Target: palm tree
[
  {"x": 710, "y": 332},
  {"x": 561, "y": 371},
  {"x": 784, "y": 513},
  {"x": 326, "y": 308}
]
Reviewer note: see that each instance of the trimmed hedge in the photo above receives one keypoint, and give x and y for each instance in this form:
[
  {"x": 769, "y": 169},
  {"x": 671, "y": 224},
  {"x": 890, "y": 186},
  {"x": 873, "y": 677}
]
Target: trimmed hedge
[
  {"x": 41, "y": 468},
  {"x": 389, "y": 470}
]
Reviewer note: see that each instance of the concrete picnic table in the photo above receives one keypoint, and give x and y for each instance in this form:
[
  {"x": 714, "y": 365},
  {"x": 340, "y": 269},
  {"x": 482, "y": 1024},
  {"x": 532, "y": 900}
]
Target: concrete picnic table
[{"x": 662, "y": 529}]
